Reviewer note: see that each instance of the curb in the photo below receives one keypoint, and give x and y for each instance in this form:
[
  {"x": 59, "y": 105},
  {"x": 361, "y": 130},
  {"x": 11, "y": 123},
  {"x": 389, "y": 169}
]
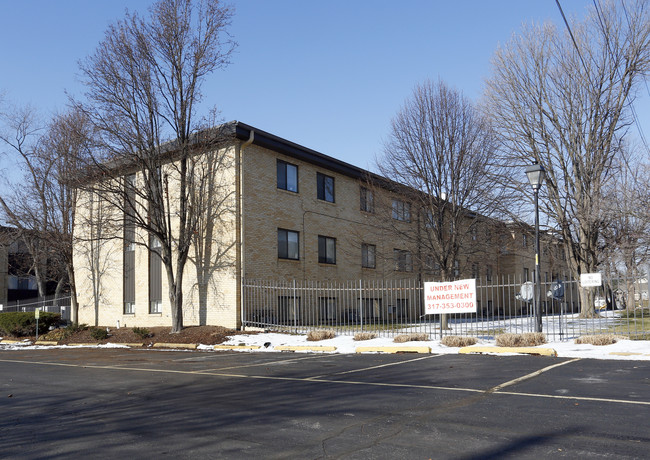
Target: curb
[
  {"x": 518, "y": 350},
  {"x": 236, "y": 347},
  {"x": 406, "y": 349},
  {"x": 13, "y": 341},
  {"x": 46, "y": 342},
  {"x": 304, "y": 348},
  {"x": 627, "y": 353},
  {"x": 188, "y": 346}
]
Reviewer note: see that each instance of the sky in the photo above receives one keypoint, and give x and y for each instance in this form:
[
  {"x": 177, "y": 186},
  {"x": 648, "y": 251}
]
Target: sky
[{"x": 329, "y": 75}]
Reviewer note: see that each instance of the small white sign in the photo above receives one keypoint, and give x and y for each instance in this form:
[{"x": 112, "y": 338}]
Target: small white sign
[
  {"x": 590, "y": 279},
  {"x": 450, "y": 297}
]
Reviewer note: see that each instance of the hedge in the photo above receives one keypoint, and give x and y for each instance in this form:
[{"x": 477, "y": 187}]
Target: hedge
[{"x": 19, "y": 324}]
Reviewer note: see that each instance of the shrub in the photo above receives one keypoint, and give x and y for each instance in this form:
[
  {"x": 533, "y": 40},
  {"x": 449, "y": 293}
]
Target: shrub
[
  {"x": 315, "y": 336},
  {"x": 99, "y": 333},
  {"x": 608, "y": 339},
  {"x": 142, "y": 332},
  {"x": 19, "y": 324},
  {"x": 365, "y": 336},
  {"x": 458, "y": 341},
  {"x": 72, "y": 328},
  {"x": 527, "y": 339},
  {"x": 415, "y": 337}
]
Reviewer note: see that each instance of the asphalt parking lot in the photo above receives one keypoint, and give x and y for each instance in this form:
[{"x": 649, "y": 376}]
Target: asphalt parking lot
[{"x": 117, "y": 403}]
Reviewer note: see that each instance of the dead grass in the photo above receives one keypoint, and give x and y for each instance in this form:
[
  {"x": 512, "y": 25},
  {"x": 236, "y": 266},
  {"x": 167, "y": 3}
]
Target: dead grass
[
  {"x": 415, "y": 337},
  {"x": 598, "y": 340},
  {"x": 527, "y": 339},
  {"x": 315, "y": 336},
  {"x": 458, "y": 341},
  {"x": 365, "y": 336}
]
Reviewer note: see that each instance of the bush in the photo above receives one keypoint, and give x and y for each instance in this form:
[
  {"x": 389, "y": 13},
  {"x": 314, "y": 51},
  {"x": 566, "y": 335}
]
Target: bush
[
  {"x": 597, "y": 339},
  {"x": 99, "y": 333},
  {"x": 527, "y": 339},
  {"x": 315, "y": 336},
  {"x": 20, "y": 324},
  {"x": 458, "y": 341},
  {"x": 142, "y": 332},
  {"x": 365, "y": 336},
  {"x": 415, "y": 337}
]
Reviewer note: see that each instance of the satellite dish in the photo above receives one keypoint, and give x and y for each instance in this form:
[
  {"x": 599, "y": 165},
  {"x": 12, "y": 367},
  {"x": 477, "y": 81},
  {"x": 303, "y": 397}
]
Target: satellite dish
[{"x": 527, "y": 291}]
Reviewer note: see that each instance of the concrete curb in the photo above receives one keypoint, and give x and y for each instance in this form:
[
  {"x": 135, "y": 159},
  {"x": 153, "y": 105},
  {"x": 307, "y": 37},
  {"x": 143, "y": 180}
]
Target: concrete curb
[
  {"x": 627, "y": 353},
  {"x": 46, "y": 342},
  {"x": 236, "y": 347},
  {"x": 13, "y": 341},
  {"x": 403, "y": 349},
  {"x": 519, "y": 350},
  {"x": 187, "y": 346},
  {"x": 304, "y": 348}
]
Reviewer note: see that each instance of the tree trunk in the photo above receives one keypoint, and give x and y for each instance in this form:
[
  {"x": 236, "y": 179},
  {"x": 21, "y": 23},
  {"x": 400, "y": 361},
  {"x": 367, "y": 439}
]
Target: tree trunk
[{"x": 74, "y": 306}]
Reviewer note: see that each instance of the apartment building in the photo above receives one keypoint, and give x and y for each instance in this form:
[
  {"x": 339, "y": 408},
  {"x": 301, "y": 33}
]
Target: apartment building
[{"x": 292, "y": 214}]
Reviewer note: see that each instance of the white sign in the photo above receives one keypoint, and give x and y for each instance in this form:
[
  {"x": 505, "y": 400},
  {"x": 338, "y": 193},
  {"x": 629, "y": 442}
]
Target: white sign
[
  {"x": 451, "y": 297},
  {"x": 590, "y": 279}
]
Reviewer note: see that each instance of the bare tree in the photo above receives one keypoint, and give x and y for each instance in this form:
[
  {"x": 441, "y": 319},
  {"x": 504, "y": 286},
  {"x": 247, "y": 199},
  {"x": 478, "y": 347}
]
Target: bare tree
[
  {"x": 26, "y": 208},
  {"x": 564, "y": 101},
  {"x": 144, "y": 84},
  {"x": 43, "y": 209},
  {"x": 441, "y": 148},
  {"x": 213, "y": 196}
]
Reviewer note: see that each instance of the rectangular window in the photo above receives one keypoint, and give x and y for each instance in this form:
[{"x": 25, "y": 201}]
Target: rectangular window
[
  {"x": 155, "y": 276},
  {"x": 456, "y": 269},
  {"x": 429, "y": 220},
  {"x": 327, "y": 309},
  {"x": 401, "y": 211},
  {"x": 367, "y": 200},
  {"x": 288, "y": 244},
  {"x": 524, "y": 240},
  {"x": 403, "y": 260},
  {"x": 526, "y": 274},
  {"x": 326, "y": 250},
  {"x": 288, "y": 309},
  {"x": 325, "y": 187},
  {"x": 287, "y": 176},
  {"x": 368, "y": 255},
  {"x": 475, "y": 271},
  {"x": 488, "y": 272},
  {"x": 128, "y": 264}
]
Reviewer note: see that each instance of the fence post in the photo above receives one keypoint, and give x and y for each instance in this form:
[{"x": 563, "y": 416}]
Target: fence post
[
  {"x": 361, "y": 303},
  {"x": 295, "y": 321}
]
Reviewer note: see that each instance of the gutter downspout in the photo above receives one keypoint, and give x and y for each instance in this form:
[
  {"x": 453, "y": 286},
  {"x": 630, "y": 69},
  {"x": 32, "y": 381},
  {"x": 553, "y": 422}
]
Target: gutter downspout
[{"x": 240, "y": 217}]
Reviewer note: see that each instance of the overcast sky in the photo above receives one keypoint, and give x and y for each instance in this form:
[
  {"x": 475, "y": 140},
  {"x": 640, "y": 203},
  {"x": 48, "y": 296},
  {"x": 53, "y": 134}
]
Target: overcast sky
[{"x": 328, "y": 75}]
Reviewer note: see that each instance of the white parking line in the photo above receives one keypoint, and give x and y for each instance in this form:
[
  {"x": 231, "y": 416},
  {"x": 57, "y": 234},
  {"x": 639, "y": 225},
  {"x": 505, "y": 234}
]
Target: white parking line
[
  {"x": 373, "y": 367},
  {"x": 267, "y": 363},
  {"x": 531, "y": 375},
  {"x": 312, "y": 380}
]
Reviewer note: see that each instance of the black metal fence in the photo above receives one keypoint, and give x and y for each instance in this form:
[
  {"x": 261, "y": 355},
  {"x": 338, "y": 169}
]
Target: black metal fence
[
  {"x": 392, "y": 307},
  {"x": 49, "y": 304}
]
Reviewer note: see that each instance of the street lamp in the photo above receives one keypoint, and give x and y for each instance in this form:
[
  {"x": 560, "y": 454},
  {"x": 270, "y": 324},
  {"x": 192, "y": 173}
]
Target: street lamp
[{"x": 535, "y": 173}]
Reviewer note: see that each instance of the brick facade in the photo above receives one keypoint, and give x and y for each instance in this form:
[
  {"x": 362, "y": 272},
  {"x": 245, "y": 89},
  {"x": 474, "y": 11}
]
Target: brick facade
[{"x": 261, "y": 207}]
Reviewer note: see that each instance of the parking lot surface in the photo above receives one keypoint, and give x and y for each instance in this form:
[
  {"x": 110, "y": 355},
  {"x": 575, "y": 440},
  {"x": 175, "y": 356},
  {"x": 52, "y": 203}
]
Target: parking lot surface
[{"x": 117, "y": 403}]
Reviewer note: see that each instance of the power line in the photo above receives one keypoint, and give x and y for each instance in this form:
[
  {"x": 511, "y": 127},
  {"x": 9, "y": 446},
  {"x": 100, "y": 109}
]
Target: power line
[{"x": 616, "y": 69}]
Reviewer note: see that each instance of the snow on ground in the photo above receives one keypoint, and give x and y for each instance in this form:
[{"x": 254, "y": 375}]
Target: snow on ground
[
  {"x": 566, "y": 326},
  {"x": 623, "y": 349}
]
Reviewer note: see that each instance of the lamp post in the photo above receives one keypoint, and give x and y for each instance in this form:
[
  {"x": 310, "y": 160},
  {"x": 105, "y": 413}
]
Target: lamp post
[{"x": 536, "y": 173}]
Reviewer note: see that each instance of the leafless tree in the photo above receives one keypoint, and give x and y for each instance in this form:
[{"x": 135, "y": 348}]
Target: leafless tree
[
  {"x": 213, "y": 196},
  {"x": 441, "y": 148},
  {"x": 564, "y": 101},
  {"x": 43, "y": 207},
  {"x": 144, "y": 84}
]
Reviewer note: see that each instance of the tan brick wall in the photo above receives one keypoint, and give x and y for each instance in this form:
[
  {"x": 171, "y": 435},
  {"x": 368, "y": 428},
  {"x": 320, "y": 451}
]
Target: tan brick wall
[{"x": 221, "y": 306}]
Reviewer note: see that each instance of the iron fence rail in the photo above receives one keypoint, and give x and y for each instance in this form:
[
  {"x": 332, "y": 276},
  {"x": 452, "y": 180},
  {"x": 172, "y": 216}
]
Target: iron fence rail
[
  {"x": 50, "y": 304},
  {"x": 393, "y": 307}
]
